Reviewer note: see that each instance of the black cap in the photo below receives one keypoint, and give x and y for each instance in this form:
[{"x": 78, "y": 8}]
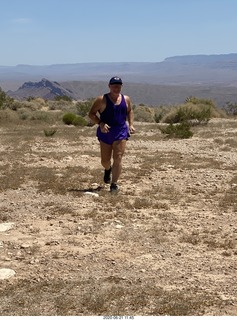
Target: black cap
[{"x": 115, "y": 80}]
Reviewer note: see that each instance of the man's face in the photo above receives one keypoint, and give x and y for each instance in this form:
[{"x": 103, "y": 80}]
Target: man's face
[{"x": 115, "y": 88}]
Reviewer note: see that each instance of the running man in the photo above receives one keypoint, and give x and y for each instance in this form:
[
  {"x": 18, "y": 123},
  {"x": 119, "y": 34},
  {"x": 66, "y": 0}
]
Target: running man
[{"x": 113, "y": 132}]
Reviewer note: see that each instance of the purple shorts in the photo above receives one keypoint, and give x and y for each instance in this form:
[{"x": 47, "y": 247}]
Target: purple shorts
[{"x": 115, "y": 133}]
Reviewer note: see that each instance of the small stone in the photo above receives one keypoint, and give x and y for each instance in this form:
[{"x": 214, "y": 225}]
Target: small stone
[
  {"x": 93, "y": 194},
  {"x": 95, "y": 185},
  {"x": 6, "y": 273},
  {"x": 6, "y": 226},
  {"x": 25, "y": 246},
  {"x": 52, "y": 242},
  {"x": 118, "y": 226}
]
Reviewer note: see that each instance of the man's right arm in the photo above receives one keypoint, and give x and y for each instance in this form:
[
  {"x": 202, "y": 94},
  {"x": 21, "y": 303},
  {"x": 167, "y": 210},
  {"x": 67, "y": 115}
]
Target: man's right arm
[{"x": 95, "y": 108}]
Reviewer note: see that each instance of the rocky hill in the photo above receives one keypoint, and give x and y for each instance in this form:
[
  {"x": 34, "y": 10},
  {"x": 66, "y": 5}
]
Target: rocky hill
[{"x": 45, "y": 89}]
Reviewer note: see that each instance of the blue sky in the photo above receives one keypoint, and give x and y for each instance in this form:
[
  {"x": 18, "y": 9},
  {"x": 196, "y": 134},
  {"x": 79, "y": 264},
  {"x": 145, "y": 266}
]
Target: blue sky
[{"x": 43, "y": 32}]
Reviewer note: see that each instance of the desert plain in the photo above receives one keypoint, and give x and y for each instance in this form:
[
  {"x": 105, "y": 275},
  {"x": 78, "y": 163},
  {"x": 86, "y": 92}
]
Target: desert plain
[{"x": 165, "y": 244}]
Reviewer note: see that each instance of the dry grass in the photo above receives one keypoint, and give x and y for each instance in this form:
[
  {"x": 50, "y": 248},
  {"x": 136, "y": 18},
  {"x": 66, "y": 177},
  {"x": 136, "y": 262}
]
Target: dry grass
[{"x": 111, "y": 295}]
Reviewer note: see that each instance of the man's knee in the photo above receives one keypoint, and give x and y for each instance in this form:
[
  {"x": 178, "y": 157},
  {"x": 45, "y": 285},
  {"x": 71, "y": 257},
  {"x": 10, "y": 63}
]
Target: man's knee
[
  {"x": 105, "y": 163},
  {"x": 117, "y": 158}
]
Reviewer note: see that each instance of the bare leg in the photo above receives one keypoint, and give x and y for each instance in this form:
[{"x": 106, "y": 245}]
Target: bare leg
[
  {"x": 106, "y": 153},
  {"x": 118, "y": 152}
]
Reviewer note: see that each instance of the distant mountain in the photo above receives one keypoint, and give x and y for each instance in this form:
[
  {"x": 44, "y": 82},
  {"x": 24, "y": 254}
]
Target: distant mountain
[
  {"x": 45, "y": 89},
  {"x": 179, "y": 70},
  {"x": 150, "y": 94},
  {"x": 155, "y": 83}
]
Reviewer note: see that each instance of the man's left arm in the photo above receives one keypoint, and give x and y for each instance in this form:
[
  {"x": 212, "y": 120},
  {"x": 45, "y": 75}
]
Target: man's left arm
[{"x": 130, "y": 115}]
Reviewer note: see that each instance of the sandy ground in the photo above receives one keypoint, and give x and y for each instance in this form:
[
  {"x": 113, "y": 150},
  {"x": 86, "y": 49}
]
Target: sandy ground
[{"x": 164, "y": 245}]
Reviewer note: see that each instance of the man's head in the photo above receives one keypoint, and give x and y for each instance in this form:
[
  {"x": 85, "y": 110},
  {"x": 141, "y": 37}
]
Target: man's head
[
  {"x": 115, "y": 80},
  {"x": 115, "y": 85}
]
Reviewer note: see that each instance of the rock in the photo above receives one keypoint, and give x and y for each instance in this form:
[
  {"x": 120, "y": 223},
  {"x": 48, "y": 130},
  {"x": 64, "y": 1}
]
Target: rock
[
  {"x": 118, "y": 226},
  {"x": 6, "y": 273},
  {"x": 95, "y": 185},
  {"x": 6, "y": 226},
  {"x": 93, "y": 194},
  {"x": 52, "y": 242},
  {"x": 25, "y": 246}
]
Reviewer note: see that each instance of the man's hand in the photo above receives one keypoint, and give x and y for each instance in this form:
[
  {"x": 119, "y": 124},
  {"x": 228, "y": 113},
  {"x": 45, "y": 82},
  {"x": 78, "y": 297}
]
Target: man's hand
[
  {"x": 104, "y": 127},
  {"x": 132, "y": 129}
]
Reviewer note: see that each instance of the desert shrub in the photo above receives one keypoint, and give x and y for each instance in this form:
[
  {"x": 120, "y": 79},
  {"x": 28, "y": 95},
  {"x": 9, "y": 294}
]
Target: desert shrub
[
  {"x": 15, "y": 105},
  {"x": 63, "y": 105},
  {"x": 84, "y": 107},
  {"x": 195, "y": 100},
  {"x": 181, "y": 131},
  {"x": 5, "y": 100},
  {"x": 79, "y": 121},
  {"x": 40, "y": 102},
  {"x": 63, "y": 98},
  {"x": 49, "y": 132},
  {"x": 30, "y": 98},
  {"x": 230, "y": 108},
  {"x": 144, "y": 114},
  {"x": 24, "y": 113},
  {"x": 194, "y": 111},
  {"x": 32, "y": 105},
  {"x": 160, "y": 113},
  {"x": 69, "y": 117},
  {"x": 195, "y": 114},
  {"x": 40, "y": 115},
  {"x": 8, "y": 116}
]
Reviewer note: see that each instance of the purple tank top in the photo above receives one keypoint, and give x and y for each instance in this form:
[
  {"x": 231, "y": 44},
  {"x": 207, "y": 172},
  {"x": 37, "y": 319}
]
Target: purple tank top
[{"x": 115, "y": 116}]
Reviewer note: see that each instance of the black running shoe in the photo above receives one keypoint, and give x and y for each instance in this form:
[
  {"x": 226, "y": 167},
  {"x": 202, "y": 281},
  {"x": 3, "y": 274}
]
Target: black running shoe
[
  {"x": 107, "y": 175},
  {"x": 113, "y": 187}
]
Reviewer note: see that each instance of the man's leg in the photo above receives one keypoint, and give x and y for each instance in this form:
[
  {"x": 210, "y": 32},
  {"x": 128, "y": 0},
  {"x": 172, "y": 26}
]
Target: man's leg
[
  {"x": 118, "y": 152},
  {"x": 106, "y": 153}
]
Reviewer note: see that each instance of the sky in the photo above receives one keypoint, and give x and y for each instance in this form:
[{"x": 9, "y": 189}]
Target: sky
[{"x": 45, "y": 32}]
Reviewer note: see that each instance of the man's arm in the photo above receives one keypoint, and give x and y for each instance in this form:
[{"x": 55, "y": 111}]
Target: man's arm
[
  {"x": 130, "y": 115},
  {"x": 98, "y": 106},
  {"x": 95, "y": 108}
]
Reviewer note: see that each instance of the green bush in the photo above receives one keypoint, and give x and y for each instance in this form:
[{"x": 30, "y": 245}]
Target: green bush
[
  {"x": 5, "y": 100},
  {"x": 49, "y": 132},
  {"x": 79, "y": 121},
  {"x": 69, "y": 117},
  {"x": 63, "y": 98},
  {"x": 181, "y": 131}
]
